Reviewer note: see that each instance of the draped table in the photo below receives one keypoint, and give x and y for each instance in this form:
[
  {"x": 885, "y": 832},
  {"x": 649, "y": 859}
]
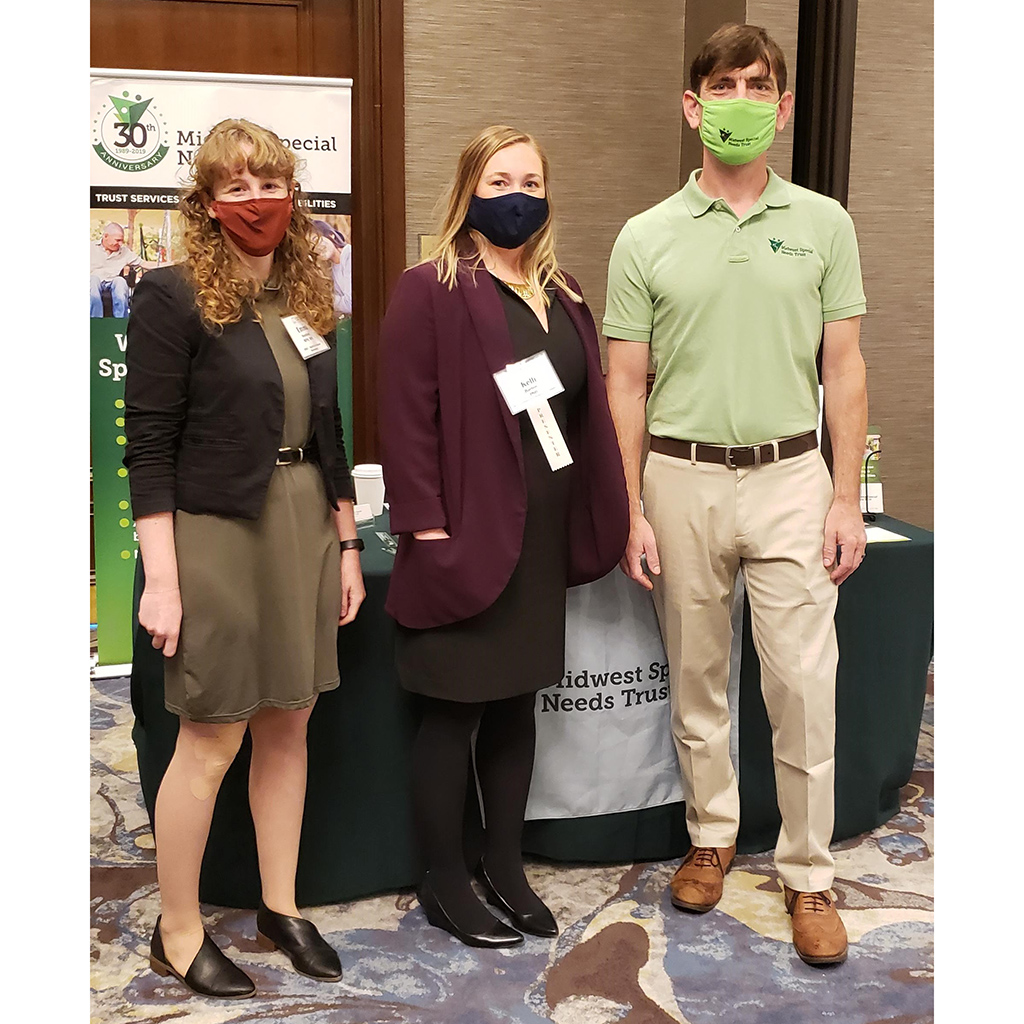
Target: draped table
[{"x": 357, "y": 830}]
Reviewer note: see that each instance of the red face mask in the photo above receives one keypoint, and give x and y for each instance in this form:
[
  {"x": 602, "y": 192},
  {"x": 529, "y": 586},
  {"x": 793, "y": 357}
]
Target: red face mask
[{"x": 256, "y": 226}]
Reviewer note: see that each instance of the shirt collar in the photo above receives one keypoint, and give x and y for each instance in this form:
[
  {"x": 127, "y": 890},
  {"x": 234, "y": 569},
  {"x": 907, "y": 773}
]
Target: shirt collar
[{"x": 776, "y": 193}]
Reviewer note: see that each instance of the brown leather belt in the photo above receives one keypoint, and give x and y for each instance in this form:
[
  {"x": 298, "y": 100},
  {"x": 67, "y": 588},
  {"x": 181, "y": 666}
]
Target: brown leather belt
[{"x": 736, "y": 456}]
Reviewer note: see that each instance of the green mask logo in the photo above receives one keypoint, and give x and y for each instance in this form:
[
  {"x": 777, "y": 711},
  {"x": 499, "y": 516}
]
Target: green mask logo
[
  {"x": 776, "y": 243},
  {"x": 737, "y": 130},
  {"x": 129, "y": 134}
]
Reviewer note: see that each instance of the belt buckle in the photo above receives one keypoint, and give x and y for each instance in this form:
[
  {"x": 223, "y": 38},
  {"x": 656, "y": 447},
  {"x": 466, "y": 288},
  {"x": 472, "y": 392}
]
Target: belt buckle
[
  {"x": 288, "y": 462},
  {"x": 730, "y": 448}
]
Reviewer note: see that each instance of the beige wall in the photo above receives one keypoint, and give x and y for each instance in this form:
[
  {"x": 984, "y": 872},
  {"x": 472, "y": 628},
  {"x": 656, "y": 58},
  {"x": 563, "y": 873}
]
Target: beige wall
[
  {"x": 600, "y": 86},
  {"x": 891, "y": 202}
]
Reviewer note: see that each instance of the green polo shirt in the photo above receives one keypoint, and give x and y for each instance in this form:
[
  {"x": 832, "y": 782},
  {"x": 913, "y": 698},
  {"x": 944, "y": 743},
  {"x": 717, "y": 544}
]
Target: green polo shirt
[{"x": 733, "y": 308}]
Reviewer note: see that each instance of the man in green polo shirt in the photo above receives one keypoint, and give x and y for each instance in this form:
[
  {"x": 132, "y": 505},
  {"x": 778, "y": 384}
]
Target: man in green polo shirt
[{"x": 727, "y": 287}]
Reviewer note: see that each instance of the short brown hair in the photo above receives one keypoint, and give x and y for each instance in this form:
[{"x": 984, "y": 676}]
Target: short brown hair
[{"x": 738, "y": 46}]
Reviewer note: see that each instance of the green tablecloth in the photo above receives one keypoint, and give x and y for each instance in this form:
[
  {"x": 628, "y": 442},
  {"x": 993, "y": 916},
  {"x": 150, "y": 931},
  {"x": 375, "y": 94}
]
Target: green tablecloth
[{"x": 357, "y": 835}]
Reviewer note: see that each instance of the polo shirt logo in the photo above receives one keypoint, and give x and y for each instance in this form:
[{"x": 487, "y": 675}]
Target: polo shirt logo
[
  {"x": 779, "y": 245},
  {"x": 725, "y": 135}
]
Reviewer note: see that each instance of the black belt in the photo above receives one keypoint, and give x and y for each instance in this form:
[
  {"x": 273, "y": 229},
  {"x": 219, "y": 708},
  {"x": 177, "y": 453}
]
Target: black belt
[
  {"x": 736, "y": 456},
  {"x": 286, "y": 456}
]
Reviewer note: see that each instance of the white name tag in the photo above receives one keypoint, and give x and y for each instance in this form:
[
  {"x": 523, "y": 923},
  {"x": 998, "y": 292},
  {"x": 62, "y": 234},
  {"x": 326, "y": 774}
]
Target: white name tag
[
  {"x": 528, "y": 385},
  {"x": 306, "y": 340},
  {"x": 529, "y": 382}
]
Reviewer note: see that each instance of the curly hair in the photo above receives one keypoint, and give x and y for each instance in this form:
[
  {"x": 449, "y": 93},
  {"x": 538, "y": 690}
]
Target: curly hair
[{"x": 224, "y": 292}]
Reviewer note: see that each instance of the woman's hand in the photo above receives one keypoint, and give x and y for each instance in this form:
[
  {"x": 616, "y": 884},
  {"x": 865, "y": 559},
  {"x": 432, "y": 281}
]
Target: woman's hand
[
  {"x": 437, "y": 534},
  {"x": 352, "y": 589},
  {"x": 160, "y": 617}
]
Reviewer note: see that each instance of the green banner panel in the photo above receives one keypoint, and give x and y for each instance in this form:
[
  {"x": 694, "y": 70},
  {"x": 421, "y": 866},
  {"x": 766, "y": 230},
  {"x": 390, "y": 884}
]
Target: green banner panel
[{"x": 114, "y": 528}]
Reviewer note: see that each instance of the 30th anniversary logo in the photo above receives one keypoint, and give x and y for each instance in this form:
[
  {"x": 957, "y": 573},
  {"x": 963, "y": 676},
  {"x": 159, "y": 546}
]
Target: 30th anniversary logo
[{"x": 129, "y": 134}]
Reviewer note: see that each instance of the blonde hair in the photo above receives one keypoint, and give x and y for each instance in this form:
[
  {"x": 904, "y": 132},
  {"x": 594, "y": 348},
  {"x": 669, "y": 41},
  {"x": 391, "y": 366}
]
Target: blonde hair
[
  {"x": 539, "y": 264},
  {"x": 223, "y": 290}
]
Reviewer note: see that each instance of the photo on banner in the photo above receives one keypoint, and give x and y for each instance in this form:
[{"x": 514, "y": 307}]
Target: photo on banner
[{"x": 145, "y": 127}]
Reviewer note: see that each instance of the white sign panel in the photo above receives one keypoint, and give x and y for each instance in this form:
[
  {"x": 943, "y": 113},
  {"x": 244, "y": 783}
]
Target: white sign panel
[
  {"x": 146, "y": 125},
  {"x": 604, "y": 733},
  {"x": 604, "y": 740}
]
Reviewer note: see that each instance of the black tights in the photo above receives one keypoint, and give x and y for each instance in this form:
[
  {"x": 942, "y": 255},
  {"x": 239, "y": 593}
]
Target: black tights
[{"x": 442, "y": 775}]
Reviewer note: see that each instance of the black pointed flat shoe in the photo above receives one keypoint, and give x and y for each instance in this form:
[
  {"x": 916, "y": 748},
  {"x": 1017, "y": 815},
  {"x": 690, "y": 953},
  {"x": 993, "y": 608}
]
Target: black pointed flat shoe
[
  {"x": 540, "y": 922},
  {"x": 300, "y": 941},
  {"x": 497, "y": 935},
  {"x": 211, "y": 973}
]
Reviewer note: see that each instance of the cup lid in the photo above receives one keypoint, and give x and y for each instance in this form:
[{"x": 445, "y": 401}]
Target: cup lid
[{"x": 368, "y": 469}]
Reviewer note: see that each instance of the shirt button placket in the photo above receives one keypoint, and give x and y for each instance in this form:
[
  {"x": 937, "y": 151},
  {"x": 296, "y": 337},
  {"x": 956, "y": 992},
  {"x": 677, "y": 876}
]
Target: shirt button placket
[{"x": 738, "y": 255}]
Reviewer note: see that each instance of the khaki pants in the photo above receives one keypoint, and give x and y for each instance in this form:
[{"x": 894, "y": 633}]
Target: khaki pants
[{"x": 709, "y": 521}]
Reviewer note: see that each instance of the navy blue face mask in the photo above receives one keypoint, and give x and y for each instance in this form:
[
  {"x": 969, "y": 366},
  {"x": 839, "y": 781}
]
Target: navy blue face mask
[{"x": 507, "y": 221}]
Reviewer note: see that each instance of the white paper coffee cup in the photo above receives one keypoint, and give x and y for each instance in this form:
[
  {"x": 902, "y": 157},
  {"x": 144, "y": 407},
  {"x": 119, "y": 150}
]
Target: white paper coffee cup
[{"x": 368, "y": 478}]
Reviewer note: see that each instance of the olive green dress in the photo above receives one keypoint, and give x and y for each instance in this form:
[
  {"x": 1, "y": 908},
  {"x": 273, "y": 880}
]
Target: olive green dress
[{"x": 260, "y": 598}]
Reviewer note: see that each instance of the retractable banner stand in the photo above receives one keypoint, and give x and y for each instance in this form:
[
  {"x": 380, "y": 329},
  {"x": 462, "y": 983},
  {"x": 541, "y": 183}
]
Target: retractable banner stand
[{"x": 145, "y": 126}]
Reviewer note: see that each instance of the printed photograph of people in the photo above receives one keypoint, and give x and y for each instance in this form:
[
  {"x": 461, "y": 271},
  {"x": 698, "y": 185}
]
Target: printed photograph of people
[{"x": 123, "y": 245}]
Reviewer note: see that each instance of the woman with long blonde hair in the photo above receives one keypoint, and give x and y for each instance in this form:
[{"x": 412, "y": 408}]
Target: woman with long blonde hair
[
  {"x": 502, "y": 496},
  {"x": 243, "y": 506}
]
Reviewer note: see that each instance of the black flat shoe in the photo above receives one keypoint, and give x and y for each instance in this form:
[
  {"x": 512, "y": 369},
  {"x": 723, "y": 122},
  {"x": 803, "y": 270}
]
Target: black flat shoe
[
  {"x": 210, "y": 974},
  {"x": 299, "y": 940},
  {"x": 539, "y": 922},
  {"x": 497, "y": 935}
]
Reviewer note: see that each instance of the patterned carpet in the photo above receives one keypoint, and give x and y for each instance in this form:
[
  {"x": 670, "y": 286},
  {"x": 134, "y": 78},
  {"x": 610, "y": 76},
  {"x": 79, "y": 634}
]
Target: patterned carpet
[{"x": 624, "y": 953}]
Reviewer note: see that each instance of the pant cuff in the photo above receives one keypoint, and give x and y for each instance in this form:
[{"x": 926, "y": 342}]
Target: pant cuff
[
  {"x": 807, "y": 879},
  {"x": 706, "y": 837}
]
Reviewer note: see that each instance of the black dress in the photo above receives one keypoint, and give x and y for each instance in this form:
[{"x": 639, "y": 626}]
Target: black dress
[{"x": 517, "y": 645}]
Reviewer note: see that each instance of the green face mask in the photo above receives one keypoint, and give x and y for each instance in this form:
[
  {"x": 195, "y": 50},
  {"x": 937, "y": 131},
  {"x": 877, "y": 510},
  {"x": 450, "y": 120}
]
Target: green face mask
[{"x": 737, "y": 130}]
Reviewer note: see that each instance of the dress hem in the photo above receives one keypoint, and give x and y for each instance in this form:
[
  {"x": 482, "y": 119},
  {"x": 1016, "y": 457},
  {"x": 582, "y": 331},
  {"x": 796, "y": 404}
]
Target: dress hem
[{"x": 242, "y": 716}]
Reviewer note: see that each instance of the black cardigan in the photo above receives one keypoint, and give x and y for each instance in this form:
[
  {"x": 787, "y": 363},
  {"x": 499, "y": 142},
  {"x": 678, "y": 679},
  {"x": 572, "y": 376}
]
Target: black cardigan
[{"x": 204, "y": 413}]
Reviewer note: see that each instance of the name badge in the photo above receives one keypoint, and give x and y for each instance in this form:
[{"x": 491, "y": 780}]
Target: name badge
[
  {"x": 529, "y": 382},
  {"x": 305, "y": 339},
  {"x": 527, "y": 385}
]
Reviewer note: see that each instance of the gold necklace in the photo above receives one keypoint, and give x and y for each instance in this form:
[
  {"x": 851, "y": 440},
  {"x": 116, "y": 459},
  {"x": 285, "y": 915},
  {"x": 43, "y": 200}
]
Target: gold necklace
[{"x": 524, "y": 291}]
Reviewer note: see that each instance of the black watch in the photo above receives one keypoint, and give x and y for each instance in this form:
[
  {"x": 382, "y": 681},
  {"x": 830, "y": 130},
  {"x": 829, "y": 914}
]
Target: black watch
[{"x": 356, "y": 543}]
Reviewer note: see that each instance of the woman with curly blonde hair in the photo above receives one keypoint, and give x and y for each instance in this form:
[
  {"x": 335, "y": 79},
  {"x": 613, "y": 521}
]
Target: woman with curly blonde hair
[{"x": 243, "y": 506}]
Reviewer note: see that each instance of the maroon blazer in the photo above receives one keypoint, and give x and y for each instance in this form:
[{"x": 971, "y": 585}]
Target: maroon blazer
[{"x": 453, "y": 458}]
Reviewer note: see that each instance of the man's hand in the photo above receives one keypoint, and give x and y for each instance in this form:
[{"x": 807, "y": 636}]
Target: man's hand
[
  {"x": 844, "y": 527},
  {"x": 641, "y": 542},
  {"x": 160, "y": 617},
  {"x": 438, "y": 534}
]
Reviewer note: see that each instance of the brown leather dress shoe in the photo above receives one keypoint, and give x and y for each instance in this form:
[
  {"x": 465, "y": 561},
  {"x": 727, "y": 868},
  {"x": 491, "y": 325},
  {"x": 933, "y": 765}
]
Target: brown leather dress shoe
[
  {"x": 818, "y": 931},
  {"x": 697, "y": 885}
]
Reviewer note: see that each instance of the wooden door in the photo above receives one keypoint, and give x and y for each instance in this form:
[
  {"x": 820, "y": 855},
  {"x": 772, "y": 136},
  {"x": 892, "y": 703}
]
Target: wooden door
[{"x": 357, "y": 39}]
